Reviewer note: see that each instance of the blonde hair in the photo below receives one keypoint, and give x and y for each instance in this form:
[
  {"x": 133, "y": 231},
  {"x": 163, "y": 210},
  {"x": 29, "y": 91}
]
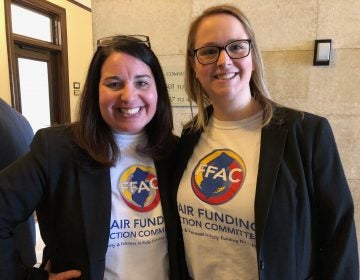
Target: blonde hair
[{"x": 193, "y": 88}]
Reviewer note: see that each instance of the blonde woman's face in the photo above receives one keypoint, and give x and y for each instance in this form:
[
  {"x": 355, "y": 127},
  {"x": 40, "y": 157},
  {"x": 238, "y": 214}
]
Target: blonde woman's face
[{"x": 227, "y": 79}]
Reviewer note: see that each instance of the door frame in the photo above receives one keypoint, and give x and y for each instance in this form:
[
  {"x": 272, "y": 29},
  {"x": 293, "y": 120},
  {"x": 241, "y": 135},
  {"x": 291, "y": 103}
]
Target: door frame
[{"x": 60, "y": 107}]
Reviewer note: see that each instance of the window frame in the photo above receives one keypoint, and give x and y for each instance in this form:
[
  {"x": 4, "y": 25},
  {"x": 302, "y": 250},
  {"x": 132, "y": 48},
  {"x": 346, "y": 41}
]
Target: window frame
[{"x": 58, "y": 50}]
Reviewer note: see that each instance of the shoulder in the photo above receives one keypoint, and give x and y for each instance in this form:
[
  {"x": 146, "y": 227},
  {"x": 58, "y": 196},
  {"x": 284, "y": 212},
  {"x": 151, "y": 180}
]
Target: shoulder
[
  {"x": 168, "y": 157},
  {"x": 56, "y": 138},
  {"x": 289, "y": 117},
  {"x": 13, "y": 122},
  {"x": 56, "y": 133},
  {"x": 58, "y": 144},
  {"x": 303, "y": 126},
  {"x": 176, "y": 139}
]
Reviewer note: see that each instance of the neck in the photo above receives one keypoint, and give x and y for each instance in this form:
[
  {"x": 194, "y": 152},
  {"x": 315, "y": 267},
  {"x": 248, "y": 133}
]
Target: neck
[{"x": 235, "y": 113}]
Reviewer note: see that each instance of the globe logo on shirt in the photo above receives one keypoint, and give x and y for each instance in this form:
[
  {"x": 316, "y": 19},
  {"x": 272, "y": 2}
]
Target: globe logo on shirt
[
  {"x": 138, "y": 187},
  {"x": 218, "y": 176}
]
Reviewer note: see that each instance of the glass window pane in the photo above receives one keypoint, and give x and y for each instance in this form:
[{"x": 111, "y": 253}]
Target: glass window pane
[
  {"x": 31, "y": 24},
  {"x": 34, "y": 88}
]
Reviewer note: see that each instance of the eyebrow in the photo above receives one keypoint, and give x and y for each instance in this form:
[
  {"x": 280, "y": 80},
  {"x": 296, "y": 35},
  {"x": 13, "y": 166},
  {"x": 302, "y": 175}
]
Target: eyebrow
[
  {"x": 136, "y": 77},
  {"x": 112, "y": 78},
  {"x": 213, "y": 44},
  {"x": 143, "y": 76}
]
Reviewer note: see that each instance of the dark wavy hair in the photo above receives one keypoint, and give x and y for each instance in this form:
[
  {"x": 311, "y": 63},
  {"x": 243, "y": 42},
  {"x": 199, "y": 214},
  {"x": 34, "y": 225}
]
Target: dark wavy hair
[{"x": 94, "y": 135}]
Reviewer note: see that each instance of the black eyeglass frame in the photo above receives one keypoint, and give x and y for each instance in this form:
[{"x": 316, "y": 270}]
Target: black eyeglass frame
[
  {"x": 137, "y": 38},
  {"x": 195, "y": 51}
]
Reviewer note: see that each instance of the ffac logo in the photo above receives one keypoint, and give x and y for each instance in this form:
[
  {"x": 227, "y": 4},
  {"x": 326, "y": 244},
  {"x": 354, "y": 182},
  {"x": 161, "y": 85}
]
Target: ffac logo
[
  {"x": 138, "y": 187},
  {"x": 218, "y": 176}
]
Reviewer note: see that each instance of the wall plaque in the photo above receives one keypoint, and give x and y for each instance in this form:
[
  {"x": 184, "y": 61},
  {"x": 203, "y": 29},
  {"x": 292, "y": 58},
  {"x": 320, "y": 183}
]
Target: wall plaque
[{"x": 174, "y": 76}]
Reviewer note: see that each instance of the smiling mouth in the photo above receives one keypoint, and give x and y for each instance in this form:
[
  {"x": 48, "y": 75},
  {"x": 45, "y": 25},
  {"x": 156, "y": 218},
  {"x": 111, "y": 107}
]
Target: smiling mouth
[
  {"x": 129, "y": 111},
  {"x": 226, "y": 76}
]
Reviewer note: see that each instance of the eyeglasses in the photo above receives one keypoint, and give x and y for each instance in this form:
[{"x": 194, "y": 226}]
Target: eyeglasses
[
  {"x": 108, "y": 41},
  {"x": 235, "y": 50}
]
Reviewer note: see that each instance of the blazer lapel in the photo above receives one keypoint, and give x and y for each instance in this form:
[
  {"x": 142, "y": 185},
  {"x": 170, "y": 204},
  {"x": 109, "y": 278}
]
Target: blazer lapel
[
  {"x": 95, "y": 193},
  {"x": 273, "y": 139}
]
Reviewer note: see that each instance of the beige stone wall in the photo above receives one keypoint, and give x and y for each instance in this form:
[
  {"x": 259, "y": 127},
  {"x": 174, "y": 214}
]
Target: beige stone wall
[{"x": 286, "y": 31}]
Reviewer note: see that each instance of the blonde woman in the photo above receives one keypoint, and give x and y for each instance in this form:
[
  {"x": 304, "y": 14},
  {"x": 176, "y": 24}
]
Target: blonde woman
[{"x": 261, "y": 189}]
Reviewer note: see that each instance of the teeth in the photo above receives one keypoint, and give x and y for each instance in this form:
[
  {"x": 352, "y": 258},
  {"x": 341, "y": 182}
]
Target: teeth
[
  {"x": 130, "y": 111},
  {"x": 225, "y": 76}
]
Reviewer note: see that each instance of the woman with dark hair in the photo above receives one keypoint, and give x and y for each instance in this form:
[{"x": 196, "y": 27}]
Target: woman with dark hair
[
  {"x": 261, "y": 192},
  {"x": 100, "y": 185}
]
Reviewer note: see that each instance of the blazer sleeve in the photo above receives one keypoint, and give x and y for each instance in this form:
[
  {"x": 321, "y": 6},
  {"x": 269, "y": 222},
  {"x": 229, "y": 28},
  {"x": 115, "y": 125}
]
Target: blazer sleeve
[
  {"x": 22, "y": 186},
  {"x": 335, "y": 210}
]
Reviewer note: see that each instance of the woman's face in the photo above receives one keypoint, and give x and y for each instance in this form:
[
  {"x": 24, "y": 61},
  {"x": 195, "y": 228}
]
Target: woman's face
[
  {"x": 127, "y": 93},
  {"x": 226, "y": 80}
]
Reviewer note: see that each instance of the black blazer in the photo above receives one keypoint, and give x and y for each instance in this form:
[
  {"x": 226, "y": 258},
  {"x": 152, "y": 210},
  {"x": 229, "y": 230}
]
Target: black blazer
[
  {"x": 72, "y": 196},
  {"x": 16, "y": 135},
  {"x": 303, "y": 206}
]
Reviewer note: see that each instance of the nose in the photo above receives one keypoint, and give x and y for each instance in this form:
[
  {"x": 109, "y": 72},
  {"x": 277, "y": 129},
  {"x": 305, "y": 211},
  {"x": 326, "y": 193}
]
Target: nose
[
  {"x": 224, "y": 58},
  {"x": 127, "y": 94}
]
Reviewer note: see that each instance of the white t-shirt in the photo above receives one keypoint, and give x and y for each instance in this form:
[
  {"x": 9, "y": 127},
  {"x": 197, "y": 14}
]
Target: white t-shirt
[
  {"x": 137, "y": 247},
  {"x": 216, "y": 201}
]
